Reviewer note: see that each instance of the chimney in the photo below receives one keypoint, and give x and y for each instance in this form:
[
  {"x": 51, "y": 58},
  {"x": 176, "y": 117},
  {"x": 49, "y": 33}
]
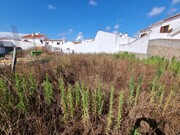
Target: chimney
[{"x": 32, "y": 34}]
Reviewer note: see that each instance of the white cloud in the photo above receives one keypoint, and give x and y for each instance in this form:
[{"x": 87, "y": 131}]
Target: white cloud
[
  {"x": 93, "y": 2},
  {"x": 51, "y": 7},
  {"x": 156, "y": 11},
  {"x": 70, "y": 31},
  {"x": 175, "y": 1},
  {"x": 66, "y": 33},
  {"x": 108, "y": 28},
  {"x": 172, "y": 11},
  {"x": 80, "y": 37},
  {"x": 116, "y": 27}
]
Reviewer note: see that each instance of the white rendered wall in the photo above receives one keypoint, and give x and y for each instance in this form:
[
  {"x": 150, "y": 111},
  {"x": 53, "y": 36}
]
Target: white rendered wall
[
  {"x": 53, "y": 43},
  {"x": 104, "y": 42},
  {"x": 34, "y": 40},
  {"x": 87, "y": 47},
  {"x": 138, "y": 46},
  {"x": 25, "y": 45},
  {"x": 67, "y": 47},
  {"x": 155, "y": 30},
  {"x": 173, "y": 24}
]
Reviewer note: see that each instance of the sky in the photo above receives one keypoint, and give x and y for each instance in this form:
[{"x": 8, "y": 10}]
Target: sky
[{"x": 71, "y": 19}]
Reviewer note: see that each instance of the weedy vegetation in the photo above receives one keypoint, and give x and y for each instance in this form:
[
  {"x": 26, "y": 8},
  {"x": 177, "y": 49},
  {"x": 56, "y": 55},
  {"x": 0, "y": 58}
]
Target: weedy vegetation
[{"x": 91, "y": 94}]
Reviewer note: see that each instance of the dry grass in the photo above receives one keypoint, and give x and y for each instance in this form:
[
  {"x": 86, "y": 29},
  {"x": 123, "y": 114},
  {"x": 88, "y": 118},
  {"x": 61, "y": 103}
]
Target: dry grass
[{"x": 91, "y": 71}]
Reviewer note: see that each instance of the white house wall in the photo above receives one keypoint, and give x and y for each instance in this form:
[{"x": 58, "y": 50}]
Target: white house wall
[
  {"x": 109, "y": 42},
  {"x": 68, "y": 47},
  {"x": 104, "y": 43},
  {"x": 28, "y": 45},
  {"x": 87, "y": 47},
  {"x": 173, "y": 24},
  {"x": 177, "y": 36},
  {"x": 138, "y": 46},
  {"x": 155, "y": 30},
  {"x": 37, "y": 41},
  {"x": 24, "y": 45}
]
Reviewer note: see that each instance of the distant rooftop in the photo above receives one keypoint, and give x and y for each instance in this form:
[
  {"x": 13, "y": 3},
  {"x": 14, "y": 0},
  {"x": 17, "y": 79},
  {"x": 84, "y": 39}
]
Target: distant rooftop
[
  {"x": 162, "y": 21},
  {"x": 34, "y": 36}
]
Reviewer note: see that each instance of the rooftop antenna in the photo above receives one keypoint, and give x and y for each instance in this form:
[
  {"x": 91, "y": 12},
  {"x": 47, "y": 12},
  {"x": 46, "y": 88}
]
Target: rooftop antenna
[{"x": 15, "y": 37}]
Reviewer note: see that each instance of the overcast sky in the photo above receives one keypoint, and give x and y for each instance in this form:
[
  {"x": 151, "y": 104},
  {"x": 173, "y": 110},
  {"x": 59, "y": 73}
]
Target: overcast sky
[{"x": 71, "y": 18}]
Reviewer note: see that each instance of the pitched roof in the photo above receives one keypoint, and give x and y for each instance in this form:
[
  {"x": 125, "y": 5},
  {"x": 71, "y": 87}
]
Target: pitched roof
[
  {"x": 162, "y": 21},
  {"x": 33, "y": 36},
  {"x": 76, "y": 43}
]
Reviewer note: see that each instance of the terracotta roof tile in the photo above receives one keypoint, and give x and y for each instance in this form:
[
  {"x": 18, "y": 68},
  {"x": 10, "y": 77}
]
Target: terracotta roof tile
[
  {"x": 32, "y": 36},
  {"x": 76, "y": 42}
]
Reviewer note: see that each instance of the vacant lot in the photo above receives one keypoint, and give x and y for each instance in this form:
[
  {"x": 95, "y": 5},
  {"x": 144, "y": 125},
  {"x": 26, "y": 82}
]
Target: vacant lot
[{"x": 91, "y": 94}]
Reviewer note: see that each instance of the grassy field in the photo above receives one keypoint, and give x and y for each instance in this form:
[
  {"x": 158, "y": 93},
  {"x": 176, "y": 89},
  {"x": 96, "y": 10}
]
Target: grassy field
[{"x": 91, "y": 94}]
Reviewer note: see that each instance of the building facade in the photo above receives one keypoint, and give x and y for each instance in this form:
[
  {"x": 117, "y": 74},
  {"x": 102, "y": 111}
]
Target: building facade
[
  {"x": 168, "y": 28},
  {"x": 164, "y": 31}
]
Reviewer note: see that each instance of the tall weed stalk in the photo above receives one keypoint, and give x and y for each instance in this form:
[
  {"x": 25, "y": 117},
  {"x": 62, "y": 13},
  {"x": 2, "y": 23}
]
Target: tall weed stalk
[
  {"x": 110, "y": 114},
  {"x": 48, "y": 91}
]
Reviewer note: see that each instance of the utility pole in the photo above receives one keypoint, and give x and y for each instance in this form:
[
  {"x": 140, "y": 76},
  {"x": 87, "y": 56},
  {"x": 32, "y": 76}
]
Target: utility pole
[
  {"x": 117, "y": 31},
  {"x": 15, "y": 37}
]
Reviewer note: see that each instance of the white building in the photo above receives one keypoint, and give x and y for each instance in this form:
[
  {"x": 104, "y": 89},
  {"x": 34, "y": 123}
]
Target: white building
[
  {"x": 36, "y": 38},
  {"x": 104, "y": 42},
  {"x": 53, "y": 44},
  {"x": 168, "y": 28}
]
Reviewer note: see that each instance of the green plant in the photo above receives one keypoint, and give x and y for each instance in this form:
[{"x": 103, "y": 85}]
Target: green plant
[
  {"x": 20, "y": 92},
  {"x": 136, "y": 132},
  {"x": 110, "y": 114},
  {"x": 85, "y": 104},
  {"x": 168, "y": 101},
  {"x": 100, "y": 101},
  {"x": 97, "y": 99},
  {"x": 4, "y": 94},
  {"x": 120, "y": 108},
  {"x": 131, "y": 90},
  {"x": 63, "y": 98},
  {"x": 77, "y": 94},
  {"x": 33, "y": 86},
  {"x": 154, "y": 86},
  {"x": 94, "y": 102},
  {"x": 70, "y": 101},
  {"x": 48, "y": 91},
  {"x": 138, "y": 89}
]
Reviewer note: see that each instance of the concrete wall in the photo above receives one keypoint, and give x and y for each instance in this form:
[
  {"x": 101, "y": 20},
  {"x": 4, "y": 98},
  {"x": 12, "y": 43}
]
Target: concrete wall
[{"x": 164, "y": 47}]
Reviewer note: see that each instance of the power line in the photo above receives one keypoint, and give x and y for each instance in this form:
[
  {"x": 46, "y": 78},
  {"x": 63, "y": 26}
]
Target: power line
[{"x": 113, "y": 11}]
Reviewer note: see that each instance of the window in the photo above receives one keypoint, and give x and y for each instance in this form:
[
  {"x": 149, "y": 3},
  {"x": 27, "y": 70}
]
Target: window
[
  {"x": 58, "y": 43},
  {"x": 164, "y": 29},
  {"x": 47, "y": 43},
  {"x": 142, "y": 35}
]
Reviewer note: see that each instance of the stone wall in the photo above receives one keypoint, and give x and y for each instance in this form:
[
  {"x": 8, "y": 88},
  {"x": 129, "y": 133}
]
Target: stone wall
[{"x": 164, "y": 48}]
